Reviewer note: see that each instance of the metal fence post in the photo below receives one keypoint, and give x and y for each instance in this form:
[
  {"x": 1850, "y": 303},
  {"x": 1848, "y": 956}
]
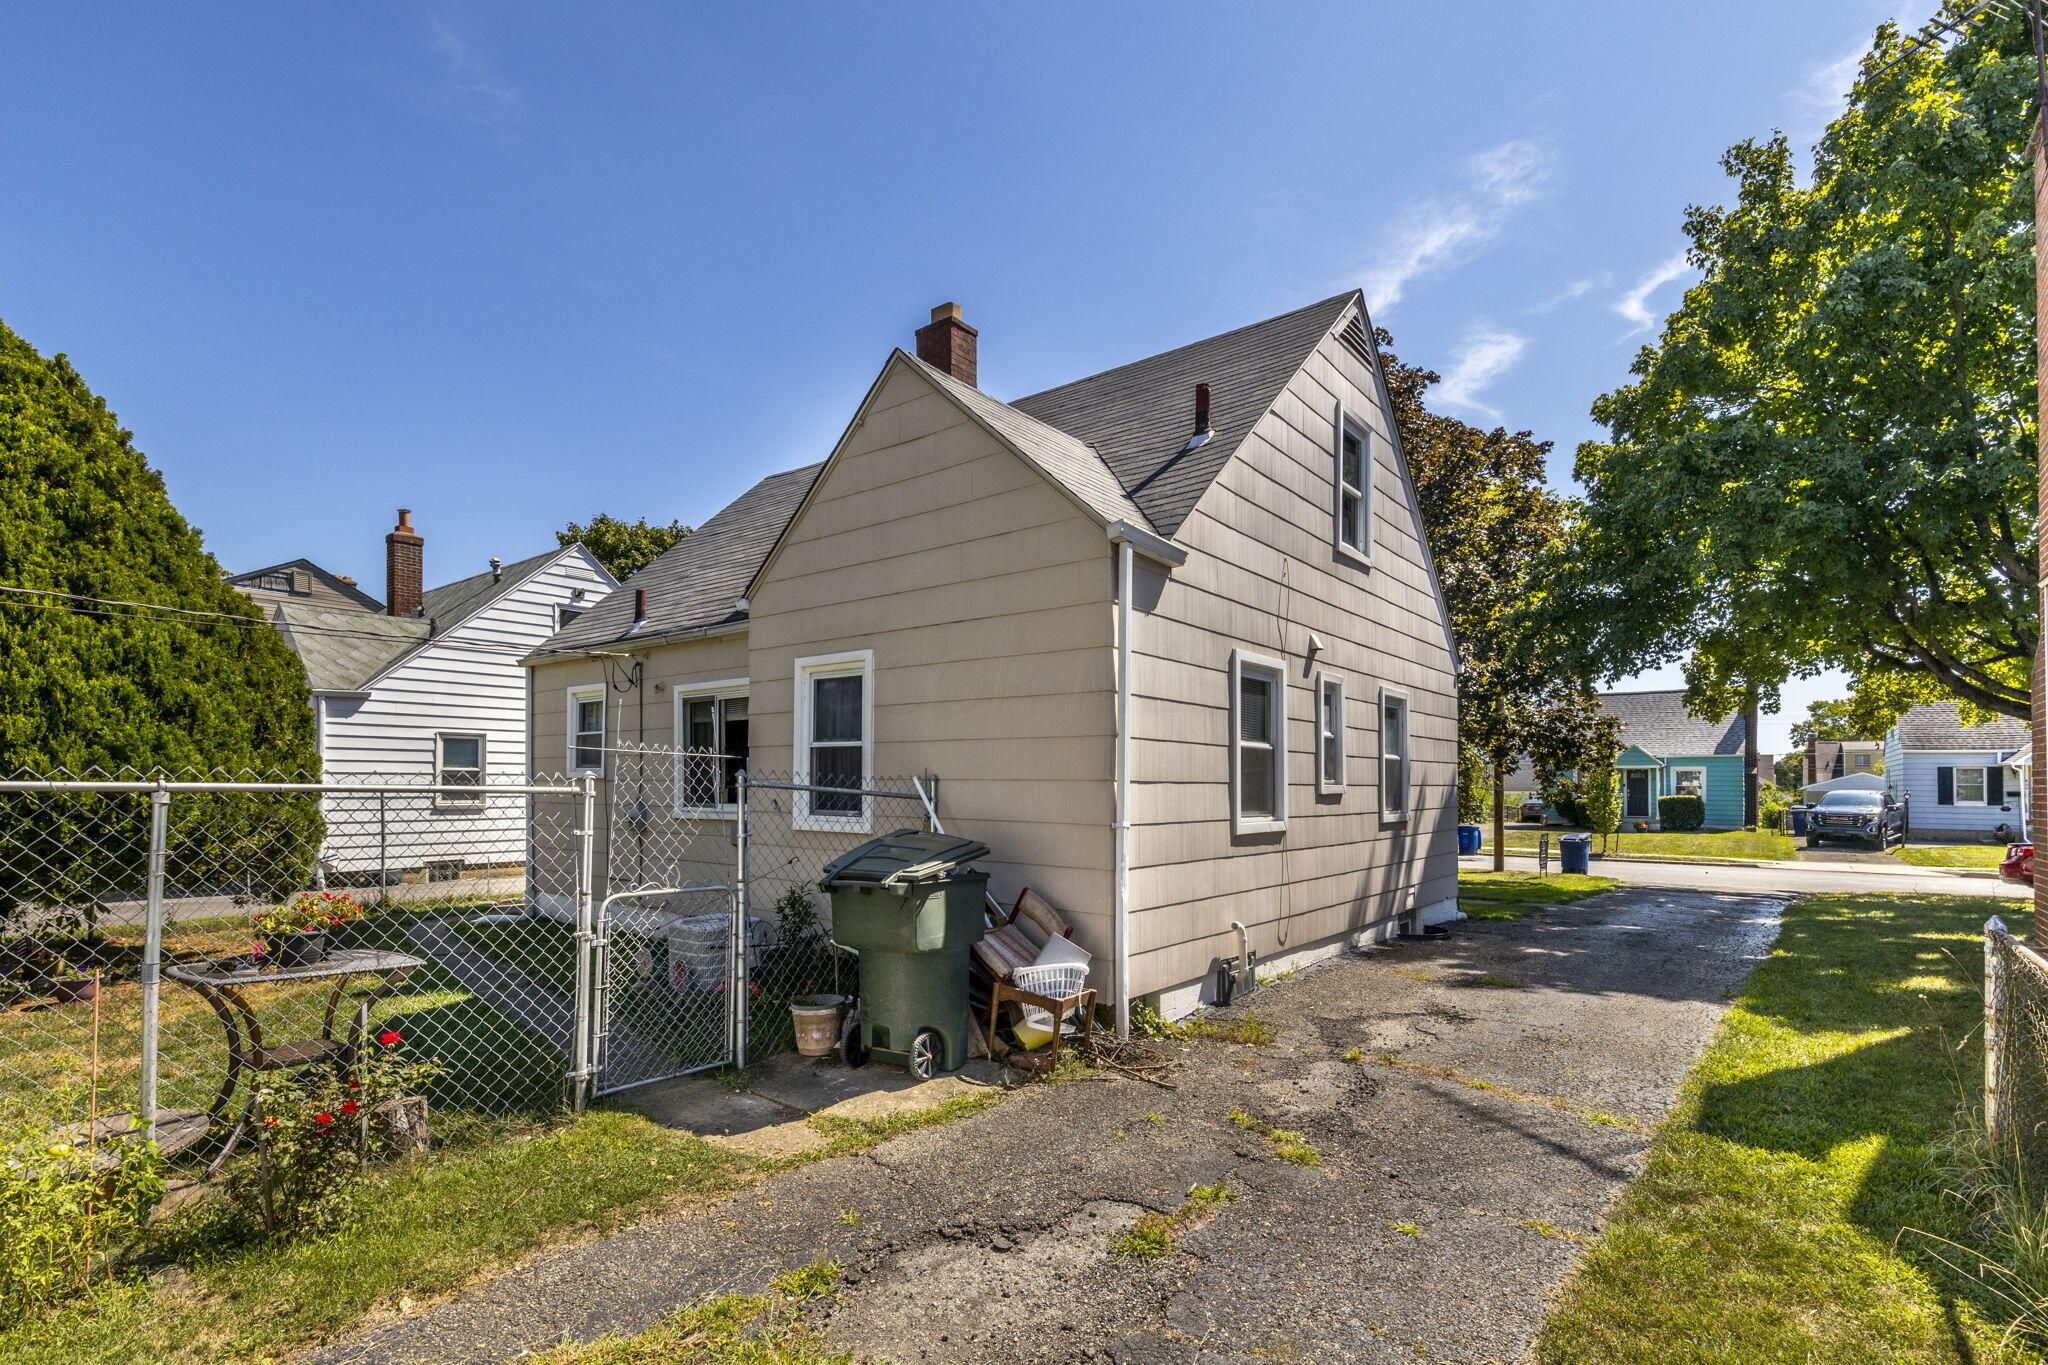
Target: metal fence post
[
  {"x": 1994, "y": 1017},
  {"x": 383, "y": 859},
  {"x": 153, "y": 951},
  {"x": 738, "y": 991},
  {"x": 586, "y": 938}
]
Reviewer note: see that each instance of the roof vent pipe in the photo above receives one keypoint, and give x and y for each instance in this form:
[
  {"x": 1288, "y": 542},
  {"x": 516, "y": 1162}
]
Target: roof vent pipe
[
  {"x": 1201, "y": 409},
  {"x": 497, "y": 568}
]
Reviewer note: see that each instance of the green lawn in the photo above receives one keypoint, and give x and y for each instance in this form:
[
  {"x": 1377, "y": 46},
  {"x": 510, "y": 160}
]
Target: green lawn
[
  {"x": 1652, "y": 846},
  {"x": 1783, "y": 1212},
  {"x": 1951, "y": 855},
  {"x": 1511, "y": 895}
]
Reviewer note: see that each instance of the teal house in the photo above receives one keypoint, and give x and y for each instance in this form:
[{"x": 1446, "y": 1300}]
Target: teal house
[{"x": 1667, "y": 751}]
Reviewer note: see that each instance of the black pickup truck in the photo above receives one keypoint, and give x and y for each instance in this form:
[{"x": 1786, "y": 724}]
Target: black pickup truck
[{"x": 1871, "y": 818}]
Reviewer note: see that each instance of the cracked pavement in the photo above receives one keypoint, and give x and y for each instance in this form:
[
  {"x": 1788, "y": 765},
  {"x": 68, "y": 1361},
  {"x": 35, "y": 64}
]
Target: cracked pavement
[{"x": 1530, "y": 1060}]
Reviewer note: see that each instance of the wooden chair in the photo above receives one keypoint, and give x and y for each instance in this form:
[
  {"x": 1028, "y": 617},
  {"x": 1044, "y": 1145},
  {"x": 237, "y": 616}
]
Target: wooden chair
[{"x": 1014, "y": 940}]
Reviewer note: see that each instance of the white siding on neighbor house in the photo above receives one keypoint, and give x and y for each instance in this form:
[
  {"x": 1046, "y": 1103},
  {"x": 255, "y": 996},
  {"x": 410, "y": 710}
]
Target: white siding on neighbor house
[
  {"x": 466, "y": 681},
  {"x": 1915, "y": 773},
  {"x": 1262, "y": 575}
]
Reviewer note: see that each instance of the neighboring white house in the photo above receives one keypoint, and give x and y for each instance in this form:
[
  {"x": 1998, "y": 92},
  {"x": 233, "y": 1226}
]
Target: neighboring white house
[
  {"x": 1963, "y": 782},
  {"x": 430, "y": 691}
]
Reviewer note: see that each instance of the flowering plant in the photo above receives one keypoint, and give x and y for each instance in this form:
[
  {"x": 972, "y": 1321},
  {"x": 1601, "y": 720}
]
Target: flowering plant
[
  {"x": 308, "y": 911},
  {"x": 317, "y": 1130}
]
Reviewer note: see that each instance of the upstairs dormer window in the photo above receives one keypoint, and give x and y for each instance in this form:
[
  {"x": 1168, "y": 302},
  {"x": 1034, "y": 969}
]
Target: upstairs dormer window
[{"x": 1353, "y": 460}]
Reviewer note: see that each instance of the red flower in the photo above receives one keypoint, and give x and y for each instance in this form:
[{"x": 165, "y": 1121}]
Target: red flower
[
  {"x": 324, "y": 1119},
  {"x": 389, "y": 1038},
  {"x": 256, "y": 948},
  {"x": 270, "y": 1123},
  {"x": 349, "y": 1107},
  {"x": 354, "y": 1084}
]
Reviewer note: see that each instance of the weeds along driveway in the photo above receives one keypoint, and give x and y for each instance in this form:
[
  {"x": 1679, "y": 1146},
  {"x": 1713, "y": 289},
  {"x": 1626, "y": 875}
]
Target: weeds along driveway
[{"x": 1458, "y": 1114}]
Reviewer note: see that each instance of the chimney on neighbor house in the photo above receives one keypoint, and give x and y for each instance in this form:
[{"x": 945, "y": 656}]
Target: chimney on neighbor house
[
  {"x": 947, "y": 343},
  {"x": 404, "y": 565},
  {"x": 1201, "y": 409}
]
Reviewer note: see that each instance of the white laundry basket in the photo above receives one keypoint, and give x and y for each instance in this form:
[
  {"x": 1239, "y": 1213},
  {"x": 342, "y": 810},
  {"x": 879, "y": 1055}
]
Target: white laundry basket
[{"x": 1056, "y": 979}]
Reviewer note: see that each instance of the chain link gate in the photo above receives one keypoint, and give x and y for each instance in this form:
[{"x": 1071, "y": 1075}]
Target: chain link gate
[{"x": 708, "y": 920}]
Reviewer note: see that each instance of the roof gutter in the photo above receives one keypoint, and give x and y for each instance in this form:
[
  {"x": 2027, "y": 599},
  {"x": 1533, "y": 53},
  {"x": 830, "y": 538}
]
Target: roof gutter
[
  {"x": 635, "y": 642},
  {"x": 1149, "y": 544}
]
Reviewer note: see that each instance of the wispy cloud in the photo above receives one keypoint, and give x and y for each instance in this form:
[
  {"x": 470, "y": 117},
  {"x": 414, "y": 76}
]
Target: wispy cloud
[
  {"x": 1635, "y": 304},
  {"x": 1443, "y": 233},
  {"x": 470, "y": 82},
  {"x": 1570, "y": 293},
  {"x": 1484, "y": 355},
  {"x": 1821, "y": 97}
]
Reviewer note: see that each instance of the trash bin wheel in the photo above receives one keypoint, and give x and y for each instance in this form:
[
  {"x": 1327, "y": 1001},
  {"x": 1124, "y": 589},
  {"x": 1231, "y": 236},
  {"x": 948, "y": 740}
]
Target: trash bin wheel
[
  {"x": 851, "y": 1048},
  {"x": 927, "y": 1054}
]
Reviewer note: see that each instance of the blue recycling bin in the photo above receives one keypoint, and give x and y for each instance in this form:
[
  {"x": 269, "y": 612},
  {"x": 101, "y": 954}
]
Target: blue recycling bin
[
  {"x": 1471, "y": 839},
  {"x": 1799, "y": 822},
  {"x": 1575, "y": 853}
]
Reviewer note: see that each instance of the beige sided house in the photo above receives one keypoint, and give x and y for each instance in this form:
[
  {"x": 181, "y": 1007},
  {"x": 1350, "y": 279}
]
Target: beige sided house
[{"x": 1228, "y": 530}]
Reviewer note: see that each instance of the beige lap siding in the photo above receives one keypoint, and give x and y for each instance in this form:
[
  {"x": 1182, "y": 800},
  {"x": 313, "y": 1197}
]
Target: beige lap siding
[
  {"x": 985, "y": 596},
  {"x": 1262, "y": 575}
]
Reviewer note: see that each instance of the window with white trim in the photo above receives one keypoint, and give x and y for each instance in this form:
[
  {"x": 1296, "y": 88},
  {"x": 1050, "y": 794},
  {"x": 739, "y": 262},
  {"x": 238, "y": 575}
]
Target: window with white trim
[
  {"x": 711, "y": 727},
  {"x": 835, "y": 740},
  {"x": 1970, "y": 787},
  {"x": 1393, "y": 754},
  {"x": 459, "y": 762},
  {"x": 586, "y": 728},
  {"x": 1329, "y": 734},
  {"x": 1258, "y": 743},
  {"x": 1352, "y": 511},
  {"x": 1689, "y": 782}
]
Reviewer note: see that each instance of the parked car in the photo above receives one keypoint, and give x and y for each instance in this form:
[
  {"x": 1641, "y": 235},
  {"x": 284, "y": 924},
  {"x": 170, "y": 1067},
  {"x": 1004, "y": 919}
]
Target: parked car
[
  {"x": 1871, "y": 818},
  {"x": 1532, "y": 811},
  {"x": 2018, "y": 865}
]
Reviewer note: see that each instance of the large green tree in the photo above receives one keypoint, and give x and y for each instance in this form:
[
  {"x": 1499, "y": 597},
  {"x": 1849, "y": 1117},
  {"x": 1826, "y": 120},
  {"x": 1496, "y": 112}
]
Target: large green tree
[
  {"x": 1494, "y": 526},
  {"x": 1827, "y": 458},
  {"x": 623, "y": 547},
  {"x": 89, "y": 687}
]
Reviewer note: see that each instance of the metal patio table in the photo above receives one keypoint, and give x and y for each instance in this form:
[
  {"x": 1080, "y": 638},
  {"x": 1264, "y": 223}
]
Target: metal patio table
[{"x": 223, "y": 981}]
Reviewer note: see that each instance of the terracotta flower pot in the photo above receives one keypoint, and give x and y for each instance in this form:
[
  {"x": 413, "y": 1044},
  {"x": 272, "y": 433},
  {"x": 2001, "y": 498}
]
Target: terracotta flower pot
[
  {"x": 817, "y": 1019},
  {"x": 76, "y": 989}
]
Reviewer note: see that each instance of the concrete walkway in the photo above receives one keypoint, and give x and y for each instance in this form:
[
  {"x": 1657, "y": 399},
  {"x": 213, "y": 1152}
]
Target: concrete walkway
[
  {"x": 1474, "y": 1104},
  {"x": 1780, "y": 877}
]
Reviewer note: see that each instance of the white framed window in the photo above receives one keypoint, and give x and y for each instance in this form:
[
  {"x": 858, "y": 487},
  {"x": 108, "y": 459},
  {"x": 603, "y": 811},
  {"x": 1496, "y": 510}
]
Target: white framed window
[
  {"x": 1329, "y": 734},
  {"x": 1861, "y": 761},
  {"x": 835, "y": 741},
  {"x": 1351, "y": 514},
  {"x": 1970, "y": 787},
  {"x": 1393, "y": 754},
  {"x": 459, "y": 762},
  {"x": 586, "y": 728},
  {"x": 1689, "y": 782},
  {"x": 711, "y": 727},
  {"x": 1258, "y": 743}
]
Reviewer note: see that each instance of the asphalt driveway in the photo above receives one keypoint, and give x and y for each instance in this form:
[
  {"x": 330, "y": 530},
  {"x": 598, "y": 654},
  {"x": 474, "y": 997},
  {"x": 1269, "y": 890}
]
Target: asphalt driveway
[{"x": 1473, "y": 1104}]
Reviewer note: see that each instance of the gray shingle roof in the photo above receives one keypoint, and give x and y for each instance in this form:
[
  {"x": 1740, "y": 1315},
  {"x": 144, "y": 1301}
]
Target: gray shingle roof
[
  {"x": 695, "y": 582},
  {"x": 342, "y": 648},
  {"x": 457, "y": 601},
  {"x": 1939, "y": 725},
  {"x": 1066, "y": 461},
  {"x": 1659, "y": 725},
  {"x": 333, "y": 580},
  {"x": 1138, "y": 417}
]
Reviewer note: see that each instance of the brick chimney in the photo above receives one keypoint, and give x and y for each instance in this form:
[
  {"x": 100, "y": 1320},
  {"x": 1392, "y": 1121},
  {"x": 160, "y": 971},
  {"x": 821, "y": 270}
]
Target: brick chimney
[
  {"x": 404, "y": 565},
  {"x": 947, "y": 343}
]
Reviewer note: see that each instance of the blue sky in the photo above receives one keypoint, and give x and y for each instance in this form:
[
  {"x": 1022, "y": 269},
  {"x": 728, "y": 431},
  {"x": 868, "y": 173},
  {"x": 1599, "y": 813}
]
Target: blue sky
[{"x": 514, "y": 264}]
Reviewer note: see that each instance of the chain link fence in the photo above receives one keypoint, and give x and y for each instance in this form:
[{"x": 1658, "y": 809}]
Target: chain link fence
[
  {"x": 536, "y": 943},
  {"x": 451, "y": 945},
  {"x": 2016, "y": 1053}
]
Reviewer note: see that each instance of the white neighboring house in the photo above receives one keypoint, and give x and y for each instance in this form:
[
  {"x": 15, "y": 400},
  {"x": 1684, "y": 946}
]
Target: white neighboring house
[
  {"x": 434, "y": 695},
  {"x": 1964, "y": 782}
]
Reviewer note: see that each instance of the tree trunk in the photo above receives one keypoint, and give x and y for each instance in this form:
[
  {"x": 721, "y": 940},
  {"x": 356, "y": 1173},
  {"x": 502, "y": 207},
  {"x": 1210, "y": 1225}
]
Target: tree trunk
[
  {"x": 1500, "y": 818},
  {"x": 1749, "y": 808}
]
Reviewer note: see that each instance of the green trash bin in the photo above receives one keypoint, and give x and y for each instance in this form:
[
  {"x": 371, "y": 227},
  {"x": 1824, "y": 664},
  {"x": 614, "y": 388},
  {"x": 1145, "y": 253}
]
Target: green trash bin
[{"x": 911, "y": 906}]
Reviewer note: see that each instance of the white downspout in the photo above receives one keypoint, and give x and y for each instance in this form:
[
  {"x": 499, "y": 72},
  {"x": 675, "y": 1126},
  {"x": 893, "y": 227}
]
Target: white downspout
[{"x": 1120, "y": 926}]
